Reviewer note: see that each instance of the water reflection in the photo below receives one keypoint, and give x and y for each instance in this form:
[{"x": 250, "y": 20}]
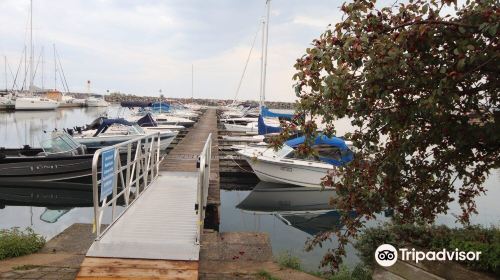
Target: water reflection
[
  {"x": 48, "y": 194},
  {"x": 290, "y": 215},
  {"x": 306, "y": 209}
]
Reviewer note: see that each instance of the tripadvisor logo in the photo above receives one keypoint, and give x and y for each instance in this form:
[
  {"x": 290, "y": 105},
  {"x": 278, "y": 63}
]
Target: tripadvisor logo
[{"x": 387, "y": 255}]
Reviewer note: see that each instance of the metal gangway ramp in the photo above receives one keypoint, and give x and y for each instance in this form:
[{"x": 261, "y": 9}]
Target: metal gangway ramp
[{"x": 157, "y": 234}]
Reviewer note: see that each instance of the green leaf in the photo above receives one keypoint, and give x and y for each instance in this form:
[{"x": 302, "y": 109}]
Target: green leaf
[
  {"x": 462, "y": 29},
  {"x": 461, "y": 64}
]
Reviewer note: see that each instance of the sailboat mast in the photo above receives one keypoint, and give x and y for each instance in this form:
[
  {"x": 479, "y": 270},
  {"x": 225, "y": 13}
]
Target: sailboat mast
[
  {"x": 192, "y": 82},
  {"x": 31, "y": 47},
  {"x": 268, "y": 3},
  {"x": 6, "y": 82},
  {"x": 261, "y": 103},
  {"x": 55, "y": 68},
  {"x": 43, "y": 68}
]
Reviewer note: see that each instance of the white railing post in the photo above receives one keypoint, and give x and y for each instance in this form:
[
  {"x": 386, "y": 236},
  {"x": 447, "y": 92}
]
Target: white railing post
[{"x": 203, "y": 183}]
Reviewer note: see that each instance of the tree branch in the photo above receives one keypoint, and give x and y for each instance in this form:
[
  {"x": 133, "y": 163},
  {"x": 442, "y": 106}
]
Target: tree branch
[{"x": 436, "y": 22}]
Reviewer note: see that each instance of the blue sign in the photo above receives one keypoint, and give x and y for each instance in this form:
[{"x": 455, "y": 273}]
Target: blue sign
[{"x": 107, "y": 172}]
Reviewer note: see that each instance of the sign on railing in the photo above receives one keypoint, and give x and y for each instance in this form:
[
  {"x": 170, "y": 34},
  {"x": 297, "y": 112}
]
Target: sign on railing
[
  {"x": 203, "y": 183},
  {"x": 126, "y": 168},
  {"x": 108, "y": 172}
]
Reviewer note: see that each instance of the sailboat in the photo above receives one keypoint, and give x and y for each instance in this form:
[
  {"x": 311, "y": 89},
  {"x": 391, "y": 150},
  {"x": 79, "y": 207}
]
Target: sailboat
[{"x": 32, "y": 102}]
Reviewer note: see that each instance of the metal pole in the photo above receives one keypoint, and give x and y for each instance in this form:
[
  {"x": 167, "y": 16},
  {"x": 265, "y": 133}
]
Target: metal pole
[
  {"x": 31, "y": 47},
  {"x": 6, "y": 83},
  {"x": 43, "y": 67},
  {"x": 265, "y": 53},
  {"x": 55, "y": 67},
  {"x": 192, "y": 82},
  {"x": 262, "y": 61}
]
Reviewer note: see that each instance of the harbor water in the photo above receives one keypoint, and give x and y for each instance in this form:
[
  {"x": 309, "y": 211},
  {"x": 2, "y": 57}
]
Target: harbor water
[{"x": 287, "y": 236}]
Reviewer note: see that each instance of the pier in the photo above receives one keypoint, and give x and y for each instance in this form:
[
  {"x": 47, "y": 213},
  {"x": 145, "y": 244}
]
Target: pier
[{"x": 158, "y": 235}]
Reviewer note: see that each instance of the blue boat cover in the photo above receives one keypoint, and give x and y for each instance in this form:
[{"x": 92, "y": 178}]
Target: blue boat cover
[
  {"x": 160, "y": 106},
  {"x": 147, "y": 121},
  {"x": 265, "y": 112},
  {"x": 265, "y": 129},
  {"x": 108, "y": 122},
  {"x": 346, "y": 153}
]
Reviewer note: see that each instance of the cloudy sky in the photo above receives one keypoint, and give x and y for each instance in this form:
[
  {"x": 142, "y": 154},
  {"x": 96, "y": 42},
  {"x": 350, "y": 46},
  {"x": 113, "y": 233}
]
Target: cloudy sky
[{"x": 143, "y": 46}]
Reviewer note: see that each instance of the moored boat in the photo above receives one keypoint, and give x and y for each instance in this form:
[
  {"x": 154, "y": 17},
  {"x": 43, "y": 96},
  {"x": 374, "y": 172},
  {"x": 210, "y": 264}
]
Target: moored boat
[{"x": 287, "y": 166}]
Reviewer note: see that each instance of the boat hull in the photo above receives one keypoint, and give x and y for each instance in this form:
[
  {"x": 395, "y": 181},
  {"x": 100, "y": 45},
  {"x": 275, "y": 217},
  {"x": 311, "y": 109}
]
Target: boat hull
[
  {"x": 241, "y": 128},
  {"x": 46, "y": 169},
  {"x": 283, "y": 172},
  {"x": 35, "y": 104},
  {"x": 104, "y": 141}
]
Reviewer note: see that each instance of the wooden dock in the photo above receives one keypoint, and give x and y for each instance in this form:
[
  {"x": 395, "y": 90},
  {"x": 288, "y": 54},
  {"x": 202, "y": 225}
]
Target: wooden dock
[
  {"x": 114, "y": 256},
  {"x": 184, "y": 155}
]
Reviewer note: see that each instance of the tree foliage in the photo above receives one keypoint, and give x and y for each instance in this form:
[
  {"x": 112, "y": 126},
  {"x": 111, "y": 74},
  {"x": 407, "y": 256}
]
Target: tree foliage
[{"x": 422, "y": 88}]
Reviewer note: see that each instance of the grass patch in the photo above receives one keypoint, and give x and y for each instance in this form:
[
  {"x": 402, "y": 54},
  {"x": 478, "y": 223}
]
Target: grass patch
[
  {"x": 359, "y": 272},
  {"x": 15, "y": 242},
  {"x": 287, "y": 260},
  {"x": 435, "y": 238},
  {"x": 266, "y": 275},
  {"x": 25, "y": 267}
]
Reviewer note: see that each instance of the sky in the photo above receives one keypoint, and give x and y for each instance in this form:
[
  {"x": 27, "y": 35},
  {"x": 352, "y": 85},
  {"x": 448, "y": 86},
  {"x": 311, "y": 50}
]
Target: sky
[{"x": 142, "y": 47}]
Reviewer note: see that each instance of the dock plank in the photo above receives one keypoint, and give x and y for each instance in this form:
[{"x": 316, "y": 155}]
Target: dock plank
[{"x": 116, "y": 268}]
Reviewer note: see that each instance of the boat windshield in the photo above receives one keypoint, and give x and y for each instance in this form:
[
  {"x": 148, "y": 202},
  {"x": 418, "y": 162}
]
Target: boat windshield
[
  {"x": 139, "y": 129},
  {"x": 59, "y": 143},
  {"x": 284, "y": 151}
]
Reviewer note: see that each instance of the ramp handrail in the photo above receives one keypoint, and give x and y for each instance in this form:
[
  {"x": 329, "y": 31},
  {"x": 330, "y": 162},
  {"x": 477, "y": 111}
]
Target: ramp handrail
[
  {"x": 203, "y": 183},
  {"x": 135, "y": 169}
]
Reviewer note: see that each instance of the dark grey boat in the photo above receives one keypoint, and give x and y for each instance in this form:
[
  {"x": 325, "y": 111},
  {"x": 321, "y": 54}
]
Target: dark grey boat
[{"x": 60, "y": 159}]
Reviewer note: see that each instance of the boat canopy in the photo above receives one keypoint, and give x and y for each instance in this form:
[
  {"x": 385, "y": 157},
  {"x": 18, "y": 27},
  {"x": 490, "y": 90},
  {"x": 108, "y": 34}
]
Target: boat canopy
[
  {"x": 346, "y": 154},
  {"x": 160, "y": 106},
  {"x": 106, "y": 123},
  {"x": 265, "y": 112},
  {"x": 147, "y": 121}
]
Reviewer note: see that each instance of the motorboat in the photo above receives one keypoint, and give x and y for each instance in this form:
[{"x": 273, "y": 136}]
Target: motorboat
[
  {"x": 165, "y": 119},
  {"x": 60, "y": 158},
  {"x": 249, "y": 127},
  {"x": 106, "y": 132},
  {"x": 96, "y": 102},
  {"x": 287, "y": 166},
  {"x": 35, "y": 103},
  {"x": 147, "y": 122}
]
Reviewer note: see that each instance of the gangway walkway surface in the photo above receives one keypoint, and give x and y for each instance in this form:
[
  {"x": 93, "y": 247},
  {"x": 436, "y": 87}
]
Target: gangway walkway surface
[
  {"x": 158, "y": 234},
  {"x": 161, "y": 225}
]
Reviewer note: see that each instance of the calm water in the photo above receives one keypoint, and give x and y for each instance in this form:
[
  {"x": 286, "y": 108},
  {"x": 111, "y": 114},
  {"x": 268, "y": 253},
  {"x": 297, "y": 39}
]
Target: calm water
[{"x": 20, "y": 128}]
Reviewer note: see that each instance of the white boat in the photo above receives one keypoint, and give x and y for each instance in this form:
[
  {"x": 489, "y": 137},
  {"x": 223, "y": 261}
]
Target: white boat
[
  {"x": 253, "y": 139},
  {"x": 284, "y": 166},
  {"x": 164, "y": 119},
  {"x": 106, "y": 132},
  {"x": 35, "y": 103},
  {"x": 147, "y": 122},
  {"x": 249, "y": 127},
  {"x": 96, "y": 102}
]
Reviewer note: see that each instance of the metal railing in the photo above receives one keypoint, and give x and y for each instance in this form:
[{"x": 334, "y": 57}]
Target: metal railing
[
  {"x": 203, "y": 184},
  {"x": 136, "y": 165}
]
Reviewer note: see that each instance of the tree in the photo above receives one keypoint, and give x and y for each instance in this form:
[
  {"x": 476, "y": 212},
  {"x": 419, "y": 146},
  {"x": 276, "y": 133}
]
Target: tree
[{"x": 422, "y": 88}]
